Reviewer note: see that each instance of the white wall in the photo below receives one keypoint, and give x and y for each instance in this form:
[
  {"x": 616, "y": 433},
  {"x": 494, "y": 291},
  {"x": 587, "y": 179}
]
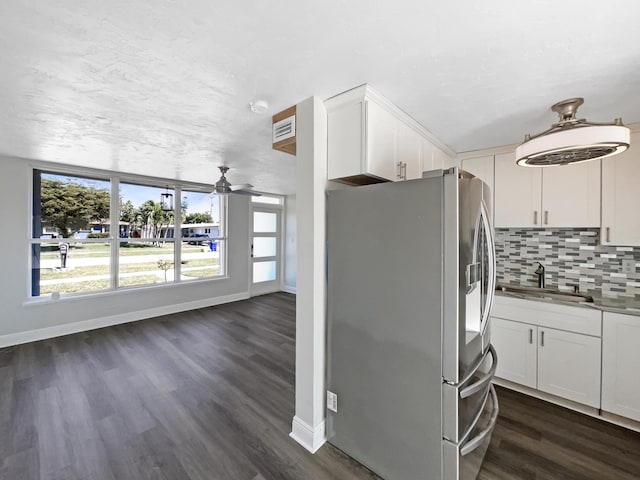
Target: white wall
[
  {"x": 308, "y": 426},
  {"x": 21, "y": 321},
  {"x": 290, "y": 244}
]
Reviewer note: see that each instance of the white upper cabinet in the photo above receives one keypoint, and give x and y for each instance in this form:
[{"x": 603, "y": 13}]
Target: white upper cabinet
[
  {"x": 440, "y": 158},
  {"x": 380, "y": 135},
  {"x": 407, "y": 152},
  {"x": 371, "y": 140},
  {"x": 567, "y": 196},
  {"x": 427, "y": 152},
  {"x": 571, "y": 195},
  {"x": 517, "y": 193},
  {"x": 345, "y": 128},
  {"x": 621, "y": 196}
]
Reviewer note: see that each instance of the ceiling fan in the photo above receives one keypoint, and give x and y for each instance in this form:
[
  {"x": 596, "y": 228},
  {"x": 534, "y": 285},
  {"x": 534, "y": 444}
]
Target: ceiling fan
[{"x": 223, "y": 187}]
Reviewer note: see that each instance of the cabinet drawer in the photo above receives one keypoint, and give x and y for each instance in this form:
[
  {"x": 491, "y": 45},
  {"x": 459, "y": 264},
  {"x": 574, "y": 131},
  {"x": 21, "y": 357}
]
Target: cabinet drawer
[{"x": 583, "y": 320}]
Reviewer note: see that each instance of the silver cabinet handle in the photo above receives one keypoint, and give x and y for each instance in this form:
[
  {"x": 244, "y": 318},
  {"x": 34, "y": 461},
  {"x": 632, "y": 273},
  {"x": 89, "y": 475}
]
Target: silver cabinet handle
[
  {"x": 399, "y": 170},
  {"x": 542, "y": 338},
  {"x": 404, "y": 171},
  {"x": 608, "y": 231},
  {"x": 535, "y": 217},
  {"x": 531, "y": 335},
  {"x": 546, "y": 217}
]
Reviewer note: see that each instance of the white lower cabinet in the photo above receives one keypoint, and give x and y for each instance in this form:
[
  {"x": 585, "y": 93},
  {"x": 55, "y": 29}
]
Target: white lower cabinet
[
  {"x": 516, "y": 344},
  {"x": 561, "y": 363},
  {"x": 620, "y": 365},
  {"x": 569, "y": 366},
  {"x": 564, "y": 361}
]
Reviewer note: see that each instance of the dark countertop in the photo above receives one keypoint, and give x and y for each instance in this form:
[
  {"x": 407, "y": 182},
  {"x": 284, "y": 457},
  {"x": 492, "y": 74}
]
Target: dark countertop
[{"x": 625, "y": 305}]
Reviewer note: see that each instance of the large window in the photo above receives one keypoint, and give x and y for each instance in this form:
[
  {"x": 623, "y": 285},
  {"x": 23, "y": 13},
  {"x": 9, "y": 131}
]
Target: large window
[
  {"x": 202, "y": 236},
  {"x": 146, "y": 249},
  {"x": 83, "y": 241}
]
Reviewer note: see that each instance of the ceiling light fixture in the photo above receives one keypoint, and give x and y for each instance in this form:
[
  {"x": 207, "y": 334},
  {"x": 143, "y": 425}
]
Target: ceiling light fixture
[
  {"x": 222, "y": 186},
  {"x": 258, "y": 106},
  {"x": 572, "y": 140}
]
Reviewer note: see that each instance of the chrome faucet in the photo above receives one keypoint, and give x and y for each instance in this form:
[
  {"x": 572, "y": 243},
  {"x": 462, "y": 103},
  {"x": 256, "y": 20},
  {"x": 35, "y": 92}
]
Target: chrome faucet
[{"x": 540, "y": 272}]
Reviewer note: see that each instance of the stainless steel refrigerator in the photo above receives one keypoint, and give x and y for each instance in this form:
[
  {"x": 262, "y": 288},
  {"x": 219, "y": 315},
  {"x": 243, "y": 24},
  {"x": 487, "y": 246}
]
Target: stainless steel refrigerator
[{"x": 411, "y": 278}]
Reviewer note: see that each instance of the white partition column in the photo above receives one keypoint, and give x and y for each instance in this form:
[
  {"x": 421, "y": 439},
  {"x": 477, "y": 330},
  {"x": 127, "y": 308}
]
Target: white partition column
[{"x": 308, "y": 427}]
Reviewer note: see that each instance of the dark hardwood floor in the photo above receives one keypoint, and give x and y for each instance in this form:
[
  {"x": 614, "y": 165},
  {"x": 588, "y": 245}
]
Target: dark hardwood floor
[
  {"x": 534, "y": 439},
  {"x": 209, "y": 395},
  {"x": 204, "y": 395}
]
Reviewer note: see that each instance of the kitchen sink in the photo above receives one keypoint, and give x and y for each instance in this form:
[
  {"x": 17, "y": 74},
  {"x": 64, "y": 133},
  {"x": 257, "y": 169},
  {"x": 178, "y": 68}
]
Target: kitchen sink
[{"x": 548, "y": 293}]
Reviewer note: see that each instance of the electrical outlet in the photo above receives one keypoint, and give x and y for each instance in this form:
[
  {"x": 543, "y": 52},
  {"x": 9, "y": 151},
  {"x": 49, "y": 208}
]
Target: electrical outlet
[
  {"x": 332, "y": 401},
  {"x": 629, "y": 267}
]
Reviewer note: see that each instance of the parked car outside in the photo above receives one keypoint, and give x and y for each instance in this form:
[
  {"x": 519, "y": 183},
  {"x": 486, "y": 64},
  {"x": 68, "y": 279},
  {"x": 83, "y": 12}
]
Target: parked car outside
[{"x": 199, "y": 236}]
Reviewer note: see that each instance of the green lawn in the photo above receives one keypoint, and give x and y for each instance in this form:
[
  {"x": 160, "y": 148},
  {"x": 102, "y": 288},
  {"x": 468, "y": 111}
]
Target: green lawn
[
  {"x": 46, "y": 274},
  {"x": 97, "y": 285},
  {"x": 89, "y": 286},
  {"x": 203, "y": 272},
  {"x": 204, "y": 268},
  {"x": 89, "y": 250}
]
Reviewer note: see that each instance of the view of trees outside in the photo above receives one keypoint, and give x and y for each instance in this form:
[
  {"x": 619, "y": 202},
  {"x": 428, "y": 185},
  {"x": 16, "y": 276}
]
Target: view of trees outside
[
  {"x": 69, "y": 206},
  {"x": 75, "y": 212}
]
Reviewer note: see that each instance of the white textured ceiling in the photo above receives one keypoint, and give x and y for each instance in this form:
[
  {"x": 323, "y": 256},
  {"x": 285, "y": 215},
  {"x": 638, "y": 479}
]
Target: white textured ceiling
[{"x": 162, "y": 87}]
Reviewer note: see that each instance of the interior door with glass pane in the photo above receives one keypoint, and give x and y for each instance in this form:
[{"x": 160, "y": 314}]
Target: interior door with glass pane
[{"x": 265, "y": 250}]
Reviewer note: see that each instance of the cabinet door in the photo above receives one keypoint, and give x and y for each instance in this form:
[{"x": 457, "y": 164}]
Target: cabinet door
[
  {"x": 408, "y": 150},
  {"x": 517, "y": 193},
  {"x": 381, "y": 142},
  {"x": 482, "y": 167},
  {"x": 427, "y": 150},
  {"x": 571, "y": 195},
  {"x": 441, "y": 159},
  {"x": 569, "y": 365},
  {"x": 620, "y": 362},
  {"x": 345, "y": 155},
  {"x": 516, "y": 345},
  {"x": 621, "y": 196}
]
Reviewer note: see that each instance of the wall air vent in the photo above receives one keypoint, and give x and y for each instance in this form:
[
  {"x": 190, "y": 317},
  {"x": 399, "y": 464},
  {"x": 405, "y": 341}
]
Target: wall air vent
[
  {"x": 572, "y": 140},
  {"x": 284, "y": 131}
]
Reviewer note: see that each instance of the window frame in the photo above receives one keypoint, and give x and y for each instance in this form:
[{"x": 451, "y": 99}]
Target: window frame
[{"x": 114, "y": 241}]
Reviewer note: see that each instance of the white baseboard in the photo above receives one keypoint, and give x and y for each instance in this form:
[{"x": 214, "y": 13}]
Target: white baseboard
[
  {"x": 307, "y": 436},
  {"x": 289, "y": 289},
  {"x": 92, "y": 324}
]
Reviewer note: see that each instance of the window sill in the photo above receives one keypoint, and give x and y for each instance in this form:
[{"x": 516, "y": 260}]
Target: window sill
[{"x": 71, "y": 297}]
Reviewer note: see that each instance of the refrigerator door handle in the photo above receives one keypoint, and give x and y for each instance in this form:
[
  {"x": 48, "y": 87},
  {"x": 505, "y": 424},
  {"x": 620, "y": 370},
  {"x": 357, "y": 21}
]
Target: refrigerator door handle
[
  {"x": 476, "y": 441},
  {"x": 491, "y": 287},
  {"x": 480, "y": 384},
  {"x": 475, "y": 420}
]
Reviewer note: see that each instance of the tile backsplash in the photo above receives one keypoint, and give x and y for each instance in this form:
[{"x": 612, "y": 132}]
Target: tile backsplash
[{"x": 571, "y": 256}]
